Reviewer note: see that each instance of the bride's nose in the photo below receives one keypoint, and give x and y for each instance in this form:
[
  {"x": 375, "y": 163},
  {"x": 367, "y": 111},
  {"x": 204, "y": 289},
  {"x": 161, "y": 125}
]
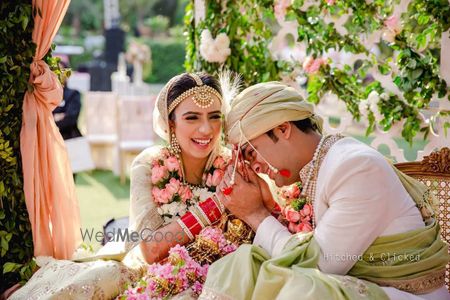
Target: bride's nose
[{"x": 205, "y": 127}]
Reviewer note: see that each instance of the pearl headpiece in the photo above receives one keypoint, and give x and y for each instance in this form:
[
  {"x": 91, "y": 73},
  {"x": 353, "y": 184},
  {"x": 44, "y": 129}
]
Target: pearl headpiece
[{"x": 202, "y": 95}]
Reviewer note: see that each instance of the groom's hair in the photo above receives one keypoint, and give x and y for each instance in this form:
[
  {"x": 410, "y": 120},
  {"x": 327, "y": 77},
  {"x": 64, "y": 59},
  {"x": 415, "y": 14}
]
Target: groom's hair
[
  {"x": 186, "y": 82},
  {"x": 305, "y": 126}
]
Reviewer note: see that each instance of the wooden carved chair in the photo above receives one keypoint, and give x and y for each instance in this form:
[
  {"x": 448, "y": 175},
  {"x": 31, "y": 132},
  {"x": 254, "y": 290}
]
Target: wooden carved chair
[{"x": 434, "y": 171}]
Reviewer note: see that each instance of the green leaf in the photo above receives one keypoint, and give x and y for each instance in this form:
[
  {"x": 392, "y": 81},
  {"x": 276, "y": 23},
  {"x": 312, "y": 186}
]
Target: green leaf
[
  {"x": 24, "y": 22},
  {"x": 10, "y": 267},
  {"x": 423, "y": 19},
  {"x": 416, "y": 73},
  {"x": 384, "y": 69},
  {"x": 297, "y": 4}
]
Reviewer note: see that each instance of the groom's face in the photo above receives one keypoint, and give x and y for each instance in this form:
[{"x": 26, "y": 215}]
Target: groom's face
[{"x": 273, "y": 151}]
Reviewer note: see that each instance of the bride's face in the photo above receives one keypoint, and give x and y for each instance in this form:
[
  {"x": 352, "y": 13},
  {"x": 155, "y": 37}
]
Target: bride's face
[{"x": 197, "y": 129}]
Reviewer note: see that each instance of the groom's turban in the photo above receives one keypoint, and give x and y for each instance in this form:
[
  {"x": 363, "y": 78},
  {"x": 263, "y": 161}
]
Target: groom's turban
[{"x": 264, "y": 106}]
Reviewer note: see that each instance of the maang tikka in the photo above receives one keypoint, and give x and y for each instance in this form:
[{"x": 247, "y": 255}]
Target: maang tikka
[{"x": 202, "y": 95}]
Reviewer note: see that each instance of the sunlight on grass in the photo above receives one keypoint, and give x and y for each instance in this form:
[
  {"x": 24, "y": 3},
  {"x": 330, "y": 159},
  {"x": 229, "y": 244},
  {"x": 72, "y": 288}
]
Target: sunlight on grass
[{"x": 101, "y": 197}]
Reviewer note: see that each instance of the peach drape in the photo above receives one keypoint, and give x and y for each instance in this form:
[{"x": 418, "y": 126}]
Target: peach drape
[{"x": 48, "y": 183}]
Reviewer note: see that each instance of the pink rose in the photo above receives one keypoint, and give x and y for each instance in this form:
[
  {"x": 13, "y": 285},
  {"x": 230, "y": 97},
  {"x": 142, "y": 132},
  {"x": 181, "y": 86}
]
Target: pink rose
[
  {"x": 311, "y": 65},
  {"x": 165, "y": 196},
  {"x": 173, "y": 186},
  {"x": 215, "y": 178},
  {"x": 331, "y": 2},
  {"x": 155, "y": 163},
  {"x": 156, "y": 194},
  {"x": 185, "y": 193},
  {"x": 172, "y": 164},
  {"x": 293, "y": 227},
  {"x": 219, "y": 163},
  {"x": 280, "y": 9},
  {"x": 293, "y": 192},
  {"x": 392, "y": 24},
  {"x": 304, "y": 227},
  {"x": 305, "y": 219},
  {"x": 292, "y": 215},
  {"x": 158, "y": 173},
  {"x": 160, "y": 196},
  {"x": 306, "y": 211},
  {"x": 165, "y": 152}
]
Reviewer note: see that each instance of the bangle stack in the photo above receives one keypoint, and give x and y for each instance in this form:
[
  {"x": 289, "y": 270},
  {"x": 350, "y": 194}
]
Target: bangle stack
[{"x": 200, "y": 215}]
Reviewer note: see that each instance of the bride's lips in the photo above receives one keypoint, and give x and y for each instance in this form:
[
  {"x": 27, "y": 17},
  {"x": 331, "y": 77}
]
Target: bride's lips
[{"x": 202, "y": 143}]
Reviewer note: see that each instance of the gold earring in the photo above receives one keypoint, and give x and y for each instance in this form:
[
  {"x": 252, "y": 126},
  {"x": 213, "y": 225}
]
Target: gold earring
[{"x": 174, "y": 146}]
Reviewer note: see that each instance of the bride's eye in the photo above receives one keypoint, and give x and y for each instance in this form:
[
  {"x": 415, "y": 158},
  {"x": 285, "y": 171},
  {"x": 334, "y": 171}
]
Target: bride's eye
[
  {"x": 215, "y": 117},
  {"x": 191, "y": 118}
]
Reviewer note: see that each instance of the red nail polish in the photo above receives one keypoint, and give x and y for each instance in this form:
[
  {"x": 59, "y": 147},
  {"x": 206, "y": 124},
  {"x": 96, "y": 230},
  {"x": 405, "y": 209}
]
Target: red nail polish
[
  {"x": 285, "y": 173},
  {"x": 226, "y": 191}
]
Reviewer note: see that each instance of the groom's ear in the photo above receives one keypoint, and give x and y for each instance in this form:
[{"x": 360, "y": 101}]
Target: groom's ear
[{"x": 283, "y": 131}]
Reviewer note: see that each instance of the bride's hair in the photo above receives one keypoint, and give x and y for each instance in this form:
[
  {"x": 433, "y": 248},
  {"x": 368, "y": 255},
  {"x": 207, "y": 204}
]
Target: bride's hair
[{"x": 186, "y": 82}]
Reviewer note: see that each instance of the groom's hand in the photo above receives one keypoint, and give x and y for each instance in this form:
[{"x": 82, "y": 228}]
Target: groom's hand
[{"x": 245, "y": 201}]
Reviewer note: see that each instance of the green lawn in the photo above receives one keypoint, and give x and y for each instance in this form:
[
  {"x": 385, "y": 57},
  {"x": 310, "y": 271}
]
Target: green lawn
[{"x": 101, "y": 197}]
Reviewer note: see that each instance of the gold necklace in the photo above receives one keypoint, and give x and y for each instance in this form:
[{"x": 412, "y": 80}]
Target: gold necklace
[{"x": 183, "y": 177}]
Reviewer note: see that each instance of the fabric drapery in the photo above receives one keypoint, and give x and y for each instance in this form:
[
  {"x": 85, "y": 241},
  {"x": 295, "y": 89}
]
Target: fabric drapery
[
  {"x": 48, "y": 183},
  {"x": 294, "y": 272}
]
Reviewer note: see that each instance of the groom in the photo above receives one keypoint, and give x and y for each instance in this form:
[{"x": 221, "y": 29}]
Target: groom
[{"x": 356, "y": 194}]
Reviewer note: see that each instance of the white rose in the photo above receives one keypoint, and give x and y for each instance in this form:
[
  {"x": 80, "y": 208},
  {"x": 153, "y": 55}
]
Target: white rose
[
  {"x": 377, "y": 114},
  {"x": 196, "y": 193},
  {"x": 373, "y": 98},
  {"x": 384, "y": 96},
  {"x": 205, "y": 194},
  {"x": 363, "y": 109},
  {"x": 177, "y": 208}
]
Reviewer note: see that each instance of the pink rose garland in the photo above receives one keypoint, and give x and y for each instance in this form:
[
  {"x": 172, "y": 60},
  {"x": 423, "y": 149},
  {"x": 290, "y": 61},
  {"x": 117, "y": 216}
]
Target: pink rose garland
[{"x": 297, "y": 211}]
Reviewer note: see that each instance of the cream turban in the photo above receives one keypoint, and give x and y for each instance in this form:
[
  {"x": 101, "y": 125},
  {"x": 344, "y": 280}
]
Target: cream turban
[{"x": 264, "y": 106}]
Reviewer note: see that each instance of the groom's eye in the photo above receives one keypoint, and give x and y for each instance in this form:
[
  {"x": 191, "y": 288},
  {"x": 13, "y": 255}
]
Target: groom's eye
[{"x": 248, "y": 153}]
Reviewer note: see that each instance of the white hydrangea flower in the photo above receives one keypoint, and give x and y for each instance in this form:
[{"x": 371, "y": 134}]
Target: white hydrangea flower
[
  {"x": 363, "y": 108},
  {"x": 384, "y": 96},
  {"x": 196, "y": 192},
  {"x": 214, "y": 50},
  {"x": 204, "y": 194},
  {"x": 373, "y": 99},
  {"x": 177, "y": 208}
]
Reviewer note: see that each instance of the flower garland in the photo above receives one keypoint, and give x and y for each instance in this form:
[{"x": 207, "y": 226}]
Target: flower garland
[
  {"x": 180, "y": 271},
  {"x": 171, "y": 194},
  {"x": 296, "y": 211}
]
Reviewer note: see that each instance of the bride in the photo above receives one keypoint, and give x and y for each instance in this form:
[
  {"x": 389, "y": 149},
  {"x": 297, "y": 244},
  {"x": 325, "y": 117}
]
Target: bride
[{"x": 172, "y": 197}]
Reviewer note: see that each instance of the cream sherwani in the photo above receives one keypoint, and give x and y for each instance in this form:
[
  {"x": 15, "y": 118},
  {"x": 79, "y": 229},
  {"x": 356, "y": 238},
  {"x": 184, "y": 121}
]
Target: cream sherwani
[{"x": 359, "y": 197}]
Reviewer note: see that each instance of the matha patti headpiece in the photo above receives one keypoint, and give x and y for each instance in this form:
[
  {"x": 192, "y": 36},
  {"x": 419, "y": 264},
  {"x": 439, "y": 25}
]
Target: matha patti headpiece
[{"x": 202, "y": 95}]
